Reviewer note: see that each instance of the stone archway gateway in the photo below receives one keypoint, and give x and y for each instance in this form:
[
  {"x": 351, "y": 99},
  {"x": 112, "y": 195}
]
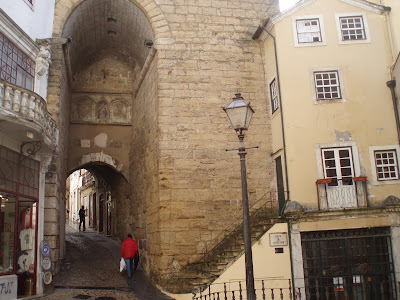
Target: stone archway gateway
[{"x": 142, "y": 82}]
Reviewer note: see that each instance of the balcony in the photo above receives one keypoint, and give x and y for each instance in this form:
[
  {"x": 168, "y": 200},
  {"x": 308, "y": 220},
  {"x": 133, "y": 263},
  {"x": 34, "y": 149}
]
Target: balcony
[
  {"x": 334, "y": 193},
  {"x": 22, "y": 110}
]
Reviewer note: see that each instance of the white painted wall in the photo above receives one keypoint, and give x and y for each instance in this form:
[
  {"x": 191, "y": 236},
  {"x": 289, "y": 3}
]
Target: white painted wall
[{"x": 36, "y": 22}]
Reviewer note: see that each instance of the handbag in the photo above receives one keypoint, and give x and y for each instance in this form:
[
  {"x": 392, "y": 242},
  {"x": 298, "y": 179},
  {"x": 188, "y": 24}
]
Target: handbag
[{"x": 122, "y": 264}]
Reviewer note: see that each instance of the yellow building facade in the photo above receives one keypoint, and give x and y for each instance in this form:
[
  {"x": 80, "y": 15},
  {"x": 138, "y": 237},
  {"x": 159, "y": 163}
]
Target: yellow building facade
[{"x": 328, "y": 64}]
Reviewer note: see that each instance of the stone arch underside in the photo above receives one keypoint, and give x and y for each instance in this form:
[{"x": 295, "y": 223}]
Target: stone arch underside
[{"x": 99, "y": 159}]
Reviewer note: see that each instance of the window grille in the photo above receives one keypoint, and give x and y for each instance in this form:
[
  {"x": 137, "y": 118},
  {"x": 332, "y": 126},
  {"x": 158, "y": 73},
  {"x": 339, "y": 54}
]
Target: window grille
[
  {"x": 386, "y": 165},
  {"x": 274, "y": 95},
  {"x": 352, "y": 28},
  {"x": 15, "y": 66},
  {"x": 327, "y": 85},
  {"x": 308, "y": 31},
  {"x": 348, "y": 264}
]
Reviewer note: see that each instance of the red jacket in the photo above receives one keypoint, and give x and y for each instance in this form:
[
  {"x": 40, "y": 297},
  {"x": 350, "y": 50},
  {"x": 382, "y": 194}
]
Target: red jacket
[{"x": 129, "y": 248}]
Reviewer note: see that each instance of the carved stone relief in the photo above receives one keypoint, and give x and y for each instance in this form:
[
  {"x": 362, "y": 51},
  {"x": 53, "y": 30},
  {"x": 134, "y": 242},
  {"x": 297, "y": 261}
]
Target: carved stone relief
[
  {"x": 101, "y": 109},
  {"x": 83, "y": 110},
  {"x": 120, "y": 111}
]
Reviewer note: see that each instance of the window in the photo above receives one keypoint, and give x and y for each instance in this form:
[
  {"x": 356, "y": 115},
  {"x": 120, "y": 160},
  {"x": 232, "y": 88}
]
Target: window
[
  {"x": 385, "y": 164},
  {"x": 308, "y": 31},
  {"x": 338, "y": 166},
  {"x": 327, "y": 85},
  {"x": 273, "y": 89},
  {"x": 352, "y": 28},
  {"x": 15, "y": 66}
]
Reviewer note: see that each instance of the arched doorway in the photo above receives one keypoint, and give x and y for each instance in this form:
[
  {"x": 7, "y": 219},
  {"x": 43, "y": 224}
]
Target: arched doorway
[
  {"x": 102, "y": 67},
  {"x": 102, "y": 192}
]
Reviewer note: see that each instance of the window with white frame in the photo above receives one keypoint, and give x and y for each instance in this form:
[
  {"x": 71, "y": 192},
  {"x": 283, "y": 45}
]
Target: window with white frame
[
  {"x": 15, "y": 66},
  {"x": 308, "y": 31},
  {"x": 387, "y": 167},
  {"x": 385, "y": 164},
  {"x": 352, "y": 28},
  {"x": 273, "y": 89},
  {"x": 327, "y": 85}
]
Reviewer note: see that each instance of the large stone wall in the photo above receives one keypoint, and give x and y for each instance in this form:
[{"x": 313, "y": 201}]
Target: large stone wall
[
  {"x": 185, "y": 188},
  {"x": 144, "y": 157},
  {"x": 212, "y": 57},
  {"x": 58, "y": 106}
]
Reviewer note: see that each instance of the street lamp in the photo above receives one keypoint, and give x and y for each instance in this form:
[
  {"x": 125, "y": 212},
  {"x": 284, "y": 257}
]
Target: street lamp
[{"x": 240, "y": 113}]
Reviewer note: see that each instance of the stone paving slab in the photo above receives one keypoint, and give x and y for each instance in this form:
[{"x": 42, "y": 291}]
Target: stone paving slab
[{"x": 91, "y": 271}]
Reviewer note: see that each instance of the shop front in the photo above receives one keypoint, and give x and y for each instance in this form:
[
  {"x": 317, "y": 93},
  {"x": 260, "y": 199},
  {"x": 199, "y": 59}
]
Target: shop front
[{"x": 19, "y": 199}]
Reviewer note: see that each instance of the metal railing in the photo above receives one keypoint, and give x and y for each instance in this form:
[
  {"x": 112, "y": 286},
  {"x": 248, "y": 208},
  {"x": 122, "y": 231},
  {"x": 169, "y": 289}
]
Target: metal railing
[
  {"x": 22, "y": 103},
  {"x": 266, "y": 289},
  {"x": 281, "y": 289},
  {"x": 263, "y": 209},
  {"x": 336, "y": 193}
]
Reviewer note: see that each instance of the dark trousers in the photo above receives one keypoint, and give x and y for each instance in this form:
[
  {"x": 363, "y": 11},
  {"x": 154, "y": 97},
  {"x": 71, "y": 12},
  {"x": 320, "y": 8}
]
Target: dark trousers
[
  {"x": 82, "y": 220},
  {"x": 135, "y": 262}
]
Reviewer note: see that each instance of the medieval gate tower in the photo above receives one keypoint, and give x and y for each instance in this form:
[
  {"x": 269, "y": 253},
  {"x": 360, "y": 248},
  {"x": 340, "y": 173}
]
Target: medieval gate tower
[{"x": 136, "y": 87}]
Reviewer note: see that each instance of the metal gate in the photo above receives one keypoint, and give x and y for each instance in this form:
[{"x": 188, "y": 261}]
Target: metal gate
[{"x": 352, "y": 264}]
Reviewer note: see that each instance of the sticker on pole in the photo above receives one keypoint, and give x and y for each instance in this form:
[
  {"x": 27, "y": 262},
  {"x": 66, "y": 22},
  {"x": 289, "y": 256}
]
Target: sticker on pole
[
  {"x": 47, "y": 278},
  {"x": 46, "y": 249}
]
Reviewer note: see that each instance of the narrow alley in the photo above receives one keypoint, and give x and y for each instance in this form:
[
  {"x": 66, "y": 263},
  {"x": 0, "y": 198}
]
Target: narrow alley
[{"x": 91, "y": 271}]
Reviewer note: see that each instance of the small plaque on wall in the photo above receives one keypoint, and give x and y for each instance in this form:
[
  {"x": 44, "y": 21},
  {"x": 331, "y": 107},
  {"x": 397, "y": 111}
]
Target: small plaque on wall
[{"x": 278, "y": 239}]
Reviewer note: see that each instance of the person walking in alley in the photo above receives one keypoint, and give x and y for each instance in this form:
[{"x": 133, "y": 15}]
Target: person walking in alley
[
  {"x": 130, "y": 252},
  {"x": 82, "y": 216}
]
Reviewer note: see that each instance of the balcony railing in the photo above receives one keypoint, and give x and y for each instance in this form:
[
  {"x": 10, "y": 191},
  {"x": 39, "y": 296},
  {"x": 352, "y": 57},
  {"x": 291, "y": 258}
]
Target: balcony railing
[
  {"x": 336, "y": 193},
  {"x": 22, "y": 103}
]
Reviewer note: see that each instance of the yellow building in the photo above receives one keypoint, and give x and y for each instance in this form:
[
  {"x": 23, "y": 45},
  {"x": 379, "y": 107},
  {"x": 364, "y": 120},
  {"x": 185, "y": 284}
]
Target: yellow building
[{"x": 328, "y": 64}]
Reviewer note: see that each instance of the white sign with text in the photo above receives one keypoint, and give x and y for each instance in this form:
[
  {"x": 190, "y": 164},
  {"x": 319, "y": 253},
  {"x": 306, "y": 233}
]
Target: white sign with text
[
  {"x": 8, "y": 287},
  {"x": 278, "y": 239}
]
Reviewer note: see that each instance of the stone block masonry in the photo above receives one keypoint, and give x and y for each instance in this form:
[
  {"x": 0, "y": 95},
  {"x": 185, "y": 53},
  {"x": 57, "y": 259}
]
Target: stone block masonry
[{"x": 184, "y": 187}]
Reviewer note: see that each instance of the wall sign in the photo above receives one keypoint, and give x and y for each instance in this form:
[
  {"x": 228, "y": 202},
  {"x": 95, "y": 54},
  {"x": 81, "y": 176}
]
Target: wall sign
[
  {"x": 8, "y": 287},
  {"x": 278, "y": 239}
]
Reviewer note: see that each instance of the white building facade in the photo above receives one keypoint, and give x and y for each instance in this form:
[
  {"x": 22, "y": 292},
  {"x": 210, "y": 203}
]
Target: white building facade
[{"x": 28, "y": 140}]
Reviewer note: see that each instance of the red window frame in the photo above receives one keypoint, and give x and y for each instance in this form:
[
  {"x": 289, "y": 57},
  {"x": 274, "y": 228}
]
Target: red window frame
[{"x": 15, "y": 66}]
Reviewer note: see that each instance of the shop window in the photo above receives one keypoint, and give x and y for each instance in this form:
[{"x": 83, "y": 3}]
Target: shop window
[
  {"x": 7, "y": 232},
  {"x": 19, "y": 192}
]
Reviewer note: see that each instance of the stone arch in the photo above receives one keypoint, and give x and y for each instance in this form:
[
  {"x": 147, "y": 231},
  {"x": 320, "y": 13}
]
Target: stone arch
[
  {"x": 100, "y": 158},
  {"x": 153, "y": 12}
]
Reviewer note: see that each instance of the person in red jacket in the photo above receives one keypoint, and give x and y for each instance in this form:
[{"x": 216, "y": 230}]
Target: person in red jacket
[{"x": 130, "y": 252}]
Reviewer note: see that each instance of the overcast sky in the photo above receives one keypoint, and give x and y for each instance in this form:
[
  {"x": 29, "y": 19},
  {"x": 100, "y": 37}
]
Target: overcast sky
[{"x": 284, "y": 4}]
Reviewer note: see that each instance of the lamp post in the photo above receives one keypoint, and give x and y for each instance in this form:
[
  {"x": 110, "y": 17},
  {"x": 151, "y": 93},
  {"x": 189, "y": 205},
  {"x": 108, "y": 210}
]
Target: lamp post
[{"x": 240, "y": 113}]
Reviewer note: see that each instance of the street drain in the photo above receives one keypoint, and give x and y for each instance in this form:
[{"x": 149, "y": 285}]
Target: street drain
[{"x": 81, "y": 297}]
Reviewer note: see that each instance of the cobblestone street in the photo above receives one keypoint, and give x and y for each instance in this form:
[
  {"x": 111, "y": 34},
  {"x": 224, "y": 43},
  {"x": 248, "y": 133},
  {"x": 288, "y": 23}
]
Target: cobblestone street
[{"x": 91, "y": 271}]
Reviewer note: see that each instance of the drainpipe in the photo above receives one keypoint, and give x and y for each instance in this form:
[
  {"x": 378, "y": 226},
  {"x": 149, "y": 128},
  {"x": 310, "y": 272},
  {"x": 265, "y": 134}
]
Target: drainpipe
[
  {"x": 281, "y": 212},
  {"x": 392, "y": 84}
]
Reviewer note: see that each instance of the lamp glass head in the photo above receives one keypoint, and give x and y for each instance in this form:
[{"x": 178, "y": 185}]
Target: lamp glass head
[{"x": 239, "y": 113}]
